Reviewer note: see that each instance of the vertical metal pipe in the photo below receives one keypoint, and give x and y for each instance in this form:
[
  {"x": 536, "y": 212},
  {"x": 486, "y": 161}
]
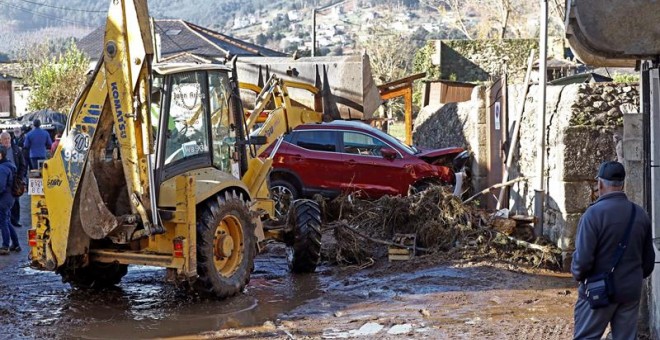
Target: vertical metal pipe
[
  {"x": 313, "y": 32},
  {"x": 539, "y": 192},
  {"x": 646, "y": 132}
]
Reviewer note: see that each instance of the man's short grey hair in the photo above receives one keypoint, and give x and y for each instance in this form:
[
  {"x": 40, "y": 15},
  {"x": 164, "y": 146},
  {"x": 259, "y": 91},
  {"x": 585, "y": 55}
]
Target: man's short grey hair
[{"x": 611, "y": 184}]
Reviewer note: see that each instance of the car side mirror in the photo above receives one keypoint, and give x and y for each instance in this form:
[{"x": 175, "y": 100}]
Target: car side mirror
[
  {"x": 388, "y": 153},
  {"x": 258, "y": 140}
]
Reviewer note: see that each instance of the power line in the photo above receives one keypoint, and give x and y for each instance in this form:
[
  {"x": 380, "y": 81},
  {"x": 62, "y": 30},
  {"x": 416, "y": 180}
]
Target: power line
[
  {"x": 43, "y": 15},
  {"x": 63, "y": 8}
]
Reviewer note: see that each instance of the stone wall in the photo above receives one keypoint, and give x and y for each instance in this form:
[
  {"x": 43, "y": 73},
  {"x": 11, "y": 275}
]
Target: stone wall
[
  {"x": 478, "y": 60},
  {"x": 584, "y": 126},
  {"x": 456, "y": 124}
]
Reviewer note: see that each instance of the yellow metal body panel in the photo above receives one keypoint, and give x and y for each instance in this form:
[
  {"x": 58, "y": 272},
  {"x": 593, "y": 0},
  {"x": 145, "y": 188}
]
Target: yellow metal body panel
[
  {"x": 208, "y": 182},
  {"x": 158, "y": 250},
  {"x": 41, "y": 254}
]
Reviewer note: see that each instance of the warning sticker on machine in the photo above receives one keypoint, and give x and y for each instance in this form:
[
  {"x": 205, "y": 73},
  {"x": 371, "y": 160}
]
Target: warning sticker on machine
[{"x": 35, "y": 186}]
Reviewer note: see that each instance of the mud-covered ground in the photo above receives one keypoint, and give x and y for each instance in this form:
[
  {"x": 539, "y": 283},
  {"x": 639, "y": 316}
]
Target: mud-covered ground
[{"x": 423, "y": 298}]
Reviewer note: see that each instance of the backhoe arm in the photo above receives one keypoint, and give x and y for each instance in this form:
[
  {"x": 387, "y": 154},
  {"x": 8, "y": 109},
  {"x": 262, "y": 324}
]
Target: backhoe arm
[{"x": 71, "y": 209}]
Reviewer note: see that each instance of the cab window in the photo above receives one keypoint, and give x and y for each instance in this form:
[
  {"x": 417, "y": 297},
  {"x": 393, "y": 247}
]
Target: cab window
[{"x": 187, "y": 126}]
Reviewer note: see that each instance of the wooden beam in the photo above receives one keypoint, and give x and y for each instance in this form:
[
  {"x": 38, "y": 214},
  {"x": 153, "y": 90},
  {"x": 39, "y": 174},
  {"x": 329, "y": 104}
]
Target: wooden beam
[
  {"x": 399, "y": 92},
  {"x": 402, "y": 81}
]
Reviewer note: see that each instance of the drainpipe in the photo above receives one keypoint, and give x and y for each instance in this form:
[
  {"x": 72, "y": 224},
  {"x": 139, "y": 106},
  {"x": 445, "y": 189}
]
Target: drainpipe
[{"x": 539, "y": 192}]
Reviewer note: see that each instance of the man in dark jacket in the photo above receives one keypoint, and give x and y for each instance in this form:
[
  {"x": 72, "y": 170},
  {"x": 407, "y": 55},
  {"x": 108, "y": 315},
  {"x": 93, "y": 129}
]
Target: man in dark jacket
[
  {"x": 37, "y": 142},
  {"x": 601, "y": 229},
  {"x": 7, "y": 173},
  {"x": 14, "y": 155}
]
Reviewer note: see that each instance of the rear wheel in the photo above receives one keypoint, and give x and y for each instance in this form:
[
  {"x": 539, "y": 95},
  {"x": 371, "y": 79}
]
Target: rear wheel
[
  {"x": 283, "y": 194},
  {"x": 304, "y": 242},
  {"x": 94, "y": 275},
  {"x": 225, "y": 246}
]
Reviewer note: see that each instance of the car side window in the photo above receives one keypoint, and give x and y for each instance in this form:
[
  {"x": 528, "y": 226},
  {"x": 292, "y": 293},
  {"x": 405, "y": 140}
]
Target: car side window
[
  {"x": 316, "y": 140},
  {"x": 361, "y": 144}
]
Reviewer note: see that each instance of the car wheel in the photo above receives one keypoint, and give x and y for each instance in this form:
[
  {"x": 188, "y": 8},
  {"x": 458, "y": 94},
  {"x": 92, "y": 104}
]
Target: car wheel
[
  {"x": 283, "y": 194},
  {"x": 304, "y": 241}
]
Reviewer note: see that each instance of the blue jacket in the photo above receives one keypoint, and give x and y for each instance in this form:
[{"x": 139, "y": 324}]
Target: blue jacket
[
  {"x": 37, "y": 141},
  {"x": 7, "y": 173},
  {"x": 600, "y": 230}
]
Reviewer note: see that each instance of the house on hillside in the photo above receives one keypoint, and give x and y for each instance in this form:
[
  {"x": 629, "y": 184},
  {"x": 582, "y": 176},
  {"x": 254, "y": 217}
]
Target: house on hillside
[
  {"x": 13, "y": 94},
  {"x": 178, "y": 37}
]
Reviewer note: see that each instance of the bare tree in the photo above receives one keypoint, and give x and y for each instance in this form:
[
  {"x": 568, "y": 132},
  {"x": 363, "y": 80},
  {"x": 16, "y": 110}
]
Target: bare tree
[
  {"x": 485, "y": 18},
  {"x": 391, "y": 57}
]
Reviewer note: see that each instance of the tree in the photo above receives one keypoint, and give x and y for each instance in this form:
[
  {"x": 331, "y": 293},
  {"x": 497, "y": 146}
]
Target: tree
[
  {"x": 486, "y": 18},
  {"x": 391, "y": 57},
  {"x": 261, "y": 39},
  {"x": 55, "y": 80}
]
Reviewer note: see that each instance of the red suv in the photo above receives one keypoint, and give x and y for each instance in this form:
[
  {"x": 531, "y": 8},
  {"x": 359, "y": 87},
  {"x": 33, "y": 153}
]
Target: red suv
[{"x": 351, "y": 156}]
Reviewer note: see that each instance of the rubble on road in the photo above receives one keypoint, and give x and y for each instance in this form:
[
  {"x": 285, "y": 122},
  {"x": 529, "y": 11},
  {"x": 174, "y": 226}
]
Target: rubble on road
[{"x": 443, "y": 224}]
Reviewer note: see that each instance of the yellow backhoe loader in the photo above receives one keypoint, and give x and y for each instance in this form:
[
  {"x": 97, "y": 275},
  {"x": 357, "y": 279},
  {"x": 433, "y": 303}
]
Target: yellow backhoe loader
[
  {"x": 296, "y": 223},
  {"x": 148, "y": 172}
]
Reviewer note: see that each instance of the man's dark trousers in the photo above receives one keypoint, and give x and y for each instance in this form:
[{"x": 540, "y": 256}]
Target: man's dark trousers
[
  {"x": 16, "y": 213},
  {"x": 594, "y": 321}
]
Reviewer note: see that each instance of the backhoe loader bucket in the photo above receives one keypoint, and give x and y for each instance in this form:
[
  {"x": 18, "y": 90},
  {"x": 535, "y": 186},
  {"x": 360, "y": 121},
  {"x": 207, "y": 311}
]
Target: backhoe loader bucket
[
  {"x": 347, "y": 86},
  {"x": 601, "y": 33}
]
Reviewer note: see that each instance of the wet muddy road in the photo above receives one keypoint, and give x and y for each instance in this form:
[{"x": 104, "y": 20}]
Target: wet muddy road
[{"x": 437, "y": 300}]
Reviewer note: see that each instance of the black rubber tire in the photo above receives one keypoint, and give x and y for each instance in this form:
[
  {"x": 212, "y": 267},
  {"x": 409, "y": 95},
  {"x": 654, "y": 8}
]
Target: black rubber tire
[
  {"x": 210, "y": 281},
  {"x": 304, "y": 242},
  {"x": 95, "y": 275},
  {"x": 282, "y": 208},
  {"x": 423, "y": 185}
]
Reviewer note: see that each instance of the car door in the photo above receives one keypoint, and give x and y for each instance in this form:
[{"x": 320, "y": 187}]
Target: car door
[
  {"x": 367, "y": 170},
  {"x": 313, "y": 155}
]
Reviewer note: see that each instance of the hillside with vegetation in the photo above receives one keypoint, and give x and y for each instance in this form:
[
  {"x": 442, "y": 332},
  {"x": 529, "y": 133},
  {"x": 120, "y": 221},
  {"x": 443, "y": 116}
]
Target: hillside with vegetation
[{"x": 342, "y": 26}]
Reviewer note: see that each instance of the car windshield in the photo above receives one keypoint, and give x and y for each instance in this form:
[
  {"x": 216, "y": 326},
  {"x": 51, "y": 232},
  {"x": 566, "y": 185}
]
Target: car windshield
[{"x": 393, "y": 140}]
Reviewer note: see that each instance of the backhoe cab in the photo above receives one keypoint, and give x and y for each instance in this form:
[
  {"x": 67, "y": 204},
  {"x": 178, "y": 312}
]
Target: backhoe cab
[{"x": 147, "y": 172}]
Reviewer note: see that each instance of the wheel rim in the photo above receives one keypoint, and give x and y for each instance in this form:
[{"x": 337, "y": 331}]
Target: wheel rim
[
  {"x": 282, "y": 196},
  {"x": 228, "y": 245}
]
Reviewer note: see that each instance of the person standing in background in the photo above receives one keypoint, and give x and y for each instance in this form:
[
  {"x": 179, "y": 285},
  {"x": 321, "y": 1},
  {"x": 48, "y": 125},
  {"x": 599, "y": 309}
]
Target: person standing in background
[
  {"x": 37, "y": 142},
  {"x": 7, "y": 173},
  {"x": 15, "y": 156}
]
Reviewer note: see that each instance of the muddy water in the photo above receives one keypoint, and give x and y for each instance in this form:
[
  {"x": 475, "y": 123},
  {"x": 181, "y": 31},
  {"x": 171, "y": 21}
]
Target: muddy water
[{"x": 35, "y": 304}]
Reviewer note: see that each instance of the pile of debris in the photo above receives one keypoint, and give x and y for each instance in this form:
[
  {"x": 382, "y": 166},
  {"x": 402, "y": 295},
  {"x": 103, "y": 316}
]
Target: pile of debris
[{"x": 430, "y": 222}]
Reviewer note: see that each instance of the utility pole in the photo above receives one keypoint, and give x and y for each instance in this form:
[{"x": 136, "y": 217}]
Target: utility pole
[
  {"x": 313, "y": 32},
  {"x": 314, "y": 11},
  {"x": 539, "y": 191}
]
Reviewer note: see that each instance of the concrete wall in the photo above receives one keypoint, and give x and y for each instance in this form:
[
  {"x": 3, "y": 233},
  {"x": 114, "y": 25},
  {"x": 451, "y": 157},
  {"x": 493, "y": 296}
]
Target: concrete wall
[{"x": 632, "y": 150}]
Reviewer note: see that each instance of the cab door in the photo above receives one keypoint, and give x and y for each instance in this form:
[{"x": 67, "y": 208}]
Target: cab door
[{"x": 184, "y": 129}]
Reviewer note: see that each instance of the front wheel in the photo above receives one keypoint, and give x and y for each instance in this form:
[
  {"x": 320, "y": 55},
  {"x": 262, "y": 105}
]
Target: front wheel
[
  {"x": 304, "y": 242},
  {"x": 283, "y": 193},
  {"x": 226, "y": 246}
]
